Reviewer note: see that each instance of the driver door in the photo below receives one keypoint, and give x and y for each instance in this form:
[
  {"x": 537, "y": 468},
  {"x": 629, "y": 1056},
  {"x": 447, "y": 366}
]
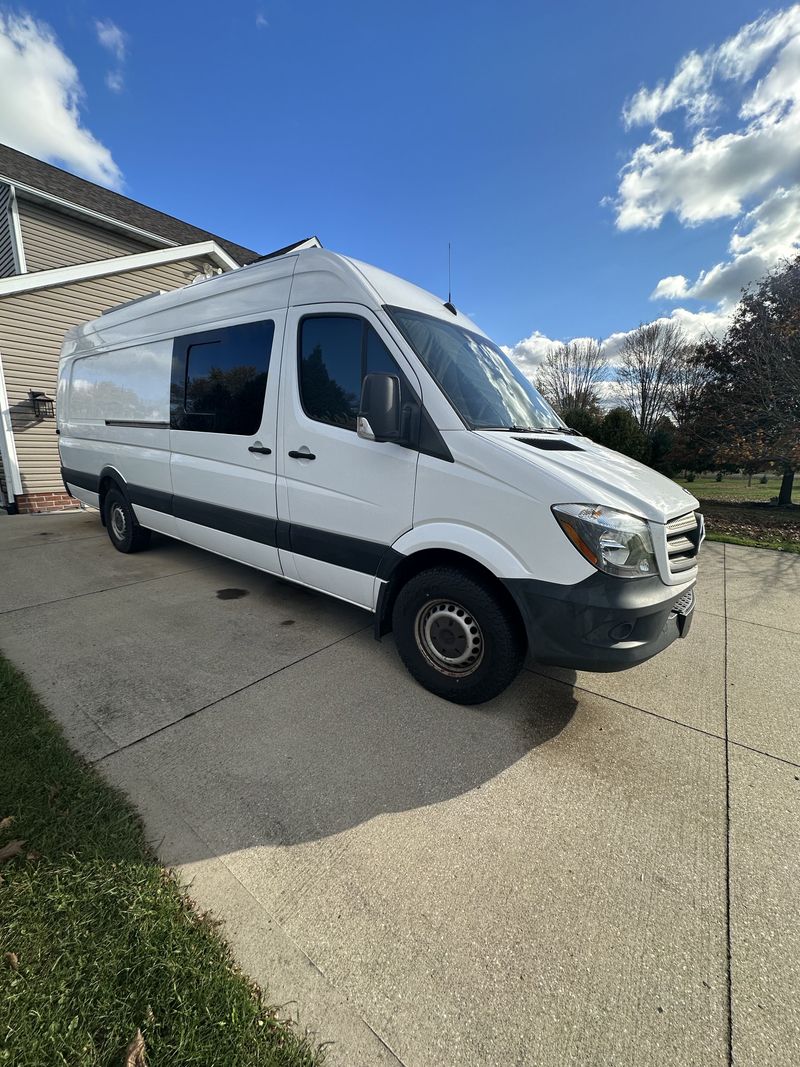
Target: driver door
[{"x": 344, "y": 500}]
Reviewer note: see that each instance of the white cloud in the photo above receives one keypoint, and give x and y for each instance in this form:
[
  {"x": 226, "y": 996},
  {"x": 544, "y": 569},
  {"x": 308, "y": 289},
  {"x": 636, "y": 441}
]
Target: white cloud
[
  {"x": 765, "y": 236},
  {"x": 737, "y": 60},
  {"x": 710, "y": 180},
  {"x": 114, "y": 40},
  {"x": 261, "y": 21},
  {"x": 717, "y": 172},
  {"x": 41, "y": 97},
  {"x": 747, "y": 172},
  {"x": 111, "y": 37},
  {"x": 115, "y": 81},
  {"x": 746, "y": 168},
  {"x": 689, "y": 88},
  {"x": 673, "y": 287},
  {"x": 529, "y": 353}
]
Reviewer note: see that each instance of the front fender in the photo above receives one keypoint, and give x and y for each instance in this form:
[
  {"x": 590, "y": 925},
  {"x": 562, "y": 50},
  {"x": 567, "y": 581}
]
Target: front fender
[{"x": 492, "y": 554}]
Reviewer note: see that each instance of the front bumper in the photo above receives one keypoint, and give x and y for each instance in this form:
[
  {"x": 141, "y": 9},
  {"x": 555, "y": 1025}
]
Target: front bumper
[{"x": 603, "y": 623}]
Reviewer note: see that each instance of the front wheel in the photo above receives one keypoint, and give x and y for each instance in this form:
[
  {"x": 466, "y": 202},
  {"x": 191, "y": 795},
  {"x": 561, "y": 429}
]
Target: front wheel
[{"x": 456, "y": 636}]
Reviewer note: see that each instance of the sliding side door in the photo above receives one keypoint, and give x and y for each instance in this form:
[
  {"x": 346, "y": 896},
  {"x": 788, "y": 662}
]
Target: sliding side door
[{"x": 223, "y": 413}]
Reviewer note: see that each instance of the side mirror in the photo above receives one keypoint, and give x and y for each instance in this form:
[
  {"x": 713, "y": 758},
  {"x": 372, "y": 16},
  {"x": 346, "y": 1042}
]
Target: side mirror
[{"x": 379, "y": 414}]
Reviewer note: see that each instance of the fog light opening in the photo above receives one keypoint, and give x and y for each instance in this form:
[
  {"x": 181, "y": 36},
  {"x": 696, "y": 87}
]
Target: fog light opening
[{"x": 621, "y": 632}]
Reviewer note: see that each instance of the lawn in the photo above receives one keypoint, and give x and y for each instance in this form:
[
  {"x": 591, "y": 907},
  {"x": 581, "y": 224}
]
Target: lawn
[
  {"x": 98, "y": 941},
  {"x": 742, "y": 514},
  {"x": 733, "y": 487}
]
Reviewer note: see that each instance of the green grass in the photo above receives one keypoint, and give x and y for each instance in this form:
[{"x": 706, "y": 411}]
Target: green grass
[
  {"x": 104, "y": 939},
  {"x": 732, "y": 487},
  {"x": 777, "y": 544}
]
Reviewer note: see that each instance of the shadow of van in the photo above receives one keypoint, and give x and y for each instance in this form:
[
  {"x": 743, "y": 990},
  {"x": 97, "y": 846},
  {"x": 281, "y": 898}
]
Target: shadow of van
[{"x": 323, "y": 747}]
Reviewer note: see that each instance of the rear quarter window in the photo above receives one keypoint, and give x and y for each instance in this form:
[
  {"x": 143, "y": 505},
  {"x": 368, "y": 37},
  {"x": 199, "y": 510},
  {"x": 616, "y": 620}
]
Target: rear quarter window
[{"x": 128, "y": 384}]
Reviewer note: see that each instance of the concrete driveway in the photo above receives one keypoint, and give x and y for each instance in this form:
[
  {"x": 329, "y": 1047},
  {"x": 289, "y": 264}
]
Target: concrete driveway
[{"x": 599, "y": 869}]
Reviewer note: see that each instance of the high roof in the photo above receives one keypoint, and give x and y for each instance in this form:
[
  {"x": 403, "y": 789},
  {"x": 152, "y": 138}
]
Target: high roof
[
  {"x": 26, "y": 170},
  {"x": 310, "y": 275}
]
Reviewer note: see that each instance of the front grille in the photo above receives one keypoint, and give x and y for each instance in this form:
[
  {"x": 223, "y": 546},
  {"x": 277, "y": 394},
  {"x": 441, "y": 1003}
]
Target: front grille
[{"x": 683, "y": 542}]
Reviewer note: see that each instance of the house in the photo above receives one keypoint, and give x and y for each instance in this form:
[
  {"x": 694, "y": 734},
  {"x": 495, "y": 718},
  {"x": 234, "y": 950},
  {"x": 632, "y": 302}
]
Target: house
[{"x": 70, "y": 250}]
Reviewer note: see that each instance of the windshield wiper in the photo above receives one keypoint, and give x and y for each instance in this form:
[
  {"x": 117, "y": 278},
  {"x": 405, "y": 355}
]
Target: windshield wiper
[
  {"x": 565, "y": 430},
  {"x": 523, "y": 429}
]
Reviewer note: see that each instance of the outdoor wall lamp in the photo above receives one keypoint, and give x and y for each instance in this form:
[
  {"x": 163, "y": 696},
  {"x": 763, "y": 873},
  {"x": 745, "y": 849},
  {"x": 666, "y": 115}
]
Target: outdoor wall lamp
[{"x": 43, "y": 405}]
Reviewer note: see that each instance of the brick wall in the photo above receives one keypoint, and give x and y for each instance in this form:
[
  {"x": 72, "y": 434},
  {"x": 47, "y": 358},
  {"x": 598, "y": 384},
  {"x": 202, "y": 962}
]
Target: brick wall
[{"x": 34, "y": 503}]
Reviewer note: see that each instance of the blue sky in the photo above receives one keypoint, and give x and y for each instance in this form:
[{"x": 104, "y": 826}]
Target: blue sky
[{"x": 389, "y": 130}]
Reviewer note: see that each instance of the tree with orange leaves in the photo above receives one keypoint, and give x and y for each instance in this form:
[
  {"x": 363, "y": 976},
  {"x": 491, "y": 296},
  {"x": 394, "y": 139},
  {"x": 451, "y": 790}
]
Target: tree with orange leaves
[{"x": 751, "y": 405}]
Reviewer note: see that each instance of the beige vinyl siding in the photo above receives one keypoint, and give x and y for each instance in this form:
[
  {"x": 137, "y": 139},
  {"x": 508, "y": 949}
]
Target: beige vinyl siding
[
  {"x": 32, "y": 328},
  {"x": 7, "y": 264},
  {"x": 54, "y": 239}
]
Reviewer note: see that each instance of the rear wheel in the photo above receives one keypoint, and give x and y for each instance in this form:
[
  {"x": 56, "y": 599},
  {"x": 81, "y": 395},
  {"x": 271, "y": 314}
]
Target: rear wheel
[
  {"x": 125, "y": 532},
  {"x": 456, "y": 636}
]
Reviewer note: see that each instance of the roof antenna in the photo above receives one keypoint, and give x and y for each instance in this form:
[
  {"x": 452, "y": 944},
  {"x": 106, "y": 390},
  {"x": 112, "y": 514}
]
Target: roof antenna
[{"x": 449, "y": 304}]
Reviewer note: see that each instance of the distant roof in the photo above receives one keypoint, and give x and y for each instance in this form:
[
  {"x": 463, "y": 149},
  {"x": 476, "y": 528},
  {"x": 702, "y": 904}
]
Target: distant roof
[
  {"x": 27, "y": 170},
  {"x": 295, "y": 246}
]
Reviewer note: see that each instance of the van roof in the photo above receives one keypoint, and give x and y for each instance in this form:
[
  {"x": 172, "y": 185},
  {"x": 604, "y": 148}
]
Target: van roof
[
  {"x": 384, "y": 288},
  {"x": 317, "y": 275}
]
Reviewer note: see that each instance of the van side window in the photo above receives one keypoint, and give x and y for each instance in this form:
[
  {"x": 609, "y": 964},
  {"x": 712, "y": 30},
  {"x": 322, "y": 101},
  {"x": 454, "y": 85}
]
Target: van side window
[
  {"x": 336, "y": 351},
  {"x": 219, "y": 379}
]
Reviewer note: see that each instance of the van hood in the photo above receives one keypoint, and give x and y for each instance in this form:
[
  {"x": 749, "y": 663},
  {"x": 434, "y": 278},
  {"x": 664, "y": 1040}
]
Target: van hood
[{"x": 593, "y": 474}]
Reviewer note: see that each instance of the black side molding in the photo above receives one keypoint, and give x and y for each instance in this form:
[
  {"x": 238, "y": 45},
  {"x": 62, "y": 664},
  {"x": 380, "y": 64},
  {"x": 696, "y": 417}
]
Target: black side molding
[
  {"x": 81, "y": 479},
  {"x": 353, "y": 553}
]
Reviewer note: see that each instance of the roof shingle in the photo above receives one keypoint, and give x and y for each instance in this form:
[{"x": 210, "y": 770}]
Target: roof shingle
[{"x": 27, "y": 170}]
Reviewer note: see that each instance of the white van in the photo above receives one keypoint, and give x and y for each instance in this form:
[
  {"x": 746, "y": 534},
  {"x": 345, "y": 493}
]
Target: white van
[{"x": 322, "y": 420}]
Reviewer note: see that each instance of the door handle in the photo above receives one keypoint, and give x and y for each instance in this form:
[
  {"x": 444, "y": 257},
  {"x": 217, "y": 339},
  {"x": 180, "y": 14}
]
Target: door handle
[
  {"x": 260, "y": 449},
  {"x": 294, "y": 454}
]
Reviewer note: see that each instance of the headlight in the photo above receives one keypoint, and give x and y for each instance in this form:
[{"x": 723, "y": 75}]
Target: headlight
[{"x": 610, "y": 540}]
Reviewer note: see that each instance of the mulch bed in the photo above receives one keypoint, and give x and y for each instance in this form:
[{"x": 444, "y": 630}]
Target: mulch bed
[{"x": 759, "y": 521}]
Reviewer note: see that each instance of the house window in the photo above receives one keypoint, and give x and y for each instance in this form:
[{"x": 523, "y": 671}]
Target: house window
[{"x": 219, "y": 379}]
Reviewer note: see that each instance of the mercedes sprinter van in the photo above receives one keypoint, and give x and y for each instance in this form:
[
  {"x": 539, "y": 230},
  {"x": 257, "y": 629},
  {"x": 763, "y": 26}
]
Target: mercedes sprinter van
[{"x": 325, "y": 421}]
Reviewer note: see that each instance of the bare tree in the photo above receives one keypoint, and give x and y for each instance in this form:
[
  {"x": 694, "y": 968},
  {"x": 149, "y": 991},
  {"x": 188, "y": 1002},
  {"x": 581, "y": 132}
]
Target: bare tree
[
  {"x": 571, "y": 374},
  {"x": 690, "y": 378},
  {"x": 646, "y": 375}
]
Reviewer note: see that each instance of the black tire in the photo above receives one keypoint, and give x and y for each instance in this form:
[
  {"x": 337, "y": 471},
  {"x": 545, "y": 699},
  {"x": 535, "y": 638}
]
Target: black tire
[
  {"x": 485, "y": 635},
  {"x": 124, "y": 531}
]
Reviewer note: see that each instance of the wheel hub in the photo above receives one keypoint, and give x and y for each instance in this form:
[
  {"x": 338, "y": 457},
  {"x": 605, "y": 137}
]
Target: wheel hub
[
  {"x": 449, "y": 637},
  {"x": 118, "y": 523}
]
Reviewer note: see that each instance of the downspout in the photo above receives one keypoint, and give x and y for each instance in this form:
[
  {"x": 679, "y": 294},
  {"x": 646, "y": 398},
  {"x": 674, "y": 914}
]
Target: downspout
[{"x": 8, "y": 448}]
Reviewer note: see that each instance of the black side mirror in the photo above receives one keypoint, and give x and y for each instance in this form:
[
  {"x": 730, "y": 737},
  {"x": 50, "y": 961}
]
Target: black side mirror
[{"x": 379, "y": 415}]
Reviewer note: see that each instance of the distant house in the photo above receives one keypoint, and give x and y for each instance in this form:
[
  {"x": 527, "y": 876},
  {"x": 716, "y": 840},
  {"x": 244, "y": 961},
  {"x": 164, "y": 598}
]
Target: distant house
[{"x": 68, "y": 251}]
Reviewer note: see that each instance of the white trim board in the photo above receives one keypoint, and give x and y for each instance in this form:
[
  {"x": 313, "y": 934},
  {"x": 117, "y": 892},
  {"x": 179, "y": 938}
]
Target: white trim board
[
  {"x": 99, "y": 268},
  {"x": 16, "y": 233},
  {"x": 8, "y": 447},
  {"x": 30, "y": 192}
]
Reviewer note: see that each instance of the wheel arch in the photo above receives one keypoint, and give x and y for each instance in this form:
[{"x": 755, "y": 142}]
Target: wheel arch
[
  {"x": 406, "y": 567},
  {"x": 109, "y": 476}
]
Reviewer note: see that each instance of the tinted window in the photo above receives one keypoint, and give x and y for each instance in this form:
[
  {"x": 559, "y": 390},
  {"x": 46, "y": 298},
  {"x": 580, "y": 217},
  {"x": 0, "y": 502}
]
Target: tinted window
[
  {"x": 330, "y": 368},
  {"x": 219, "y": 379},
  {"x": 336, "y": 351}
]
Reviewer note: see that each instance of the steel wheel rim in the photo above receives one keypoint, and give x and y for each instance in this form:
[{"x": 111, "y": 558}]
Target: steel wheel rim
[
  {"x": 118, "y": 522},
  {"x": 449, "y": 637}
]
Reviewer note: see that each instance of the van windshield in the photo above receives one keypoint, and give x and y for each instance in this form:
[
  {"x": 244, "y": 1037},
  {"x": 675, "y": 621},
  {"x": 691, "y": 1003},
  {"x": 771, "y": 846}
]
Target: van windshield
[{"x": 482, "y": 384}]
